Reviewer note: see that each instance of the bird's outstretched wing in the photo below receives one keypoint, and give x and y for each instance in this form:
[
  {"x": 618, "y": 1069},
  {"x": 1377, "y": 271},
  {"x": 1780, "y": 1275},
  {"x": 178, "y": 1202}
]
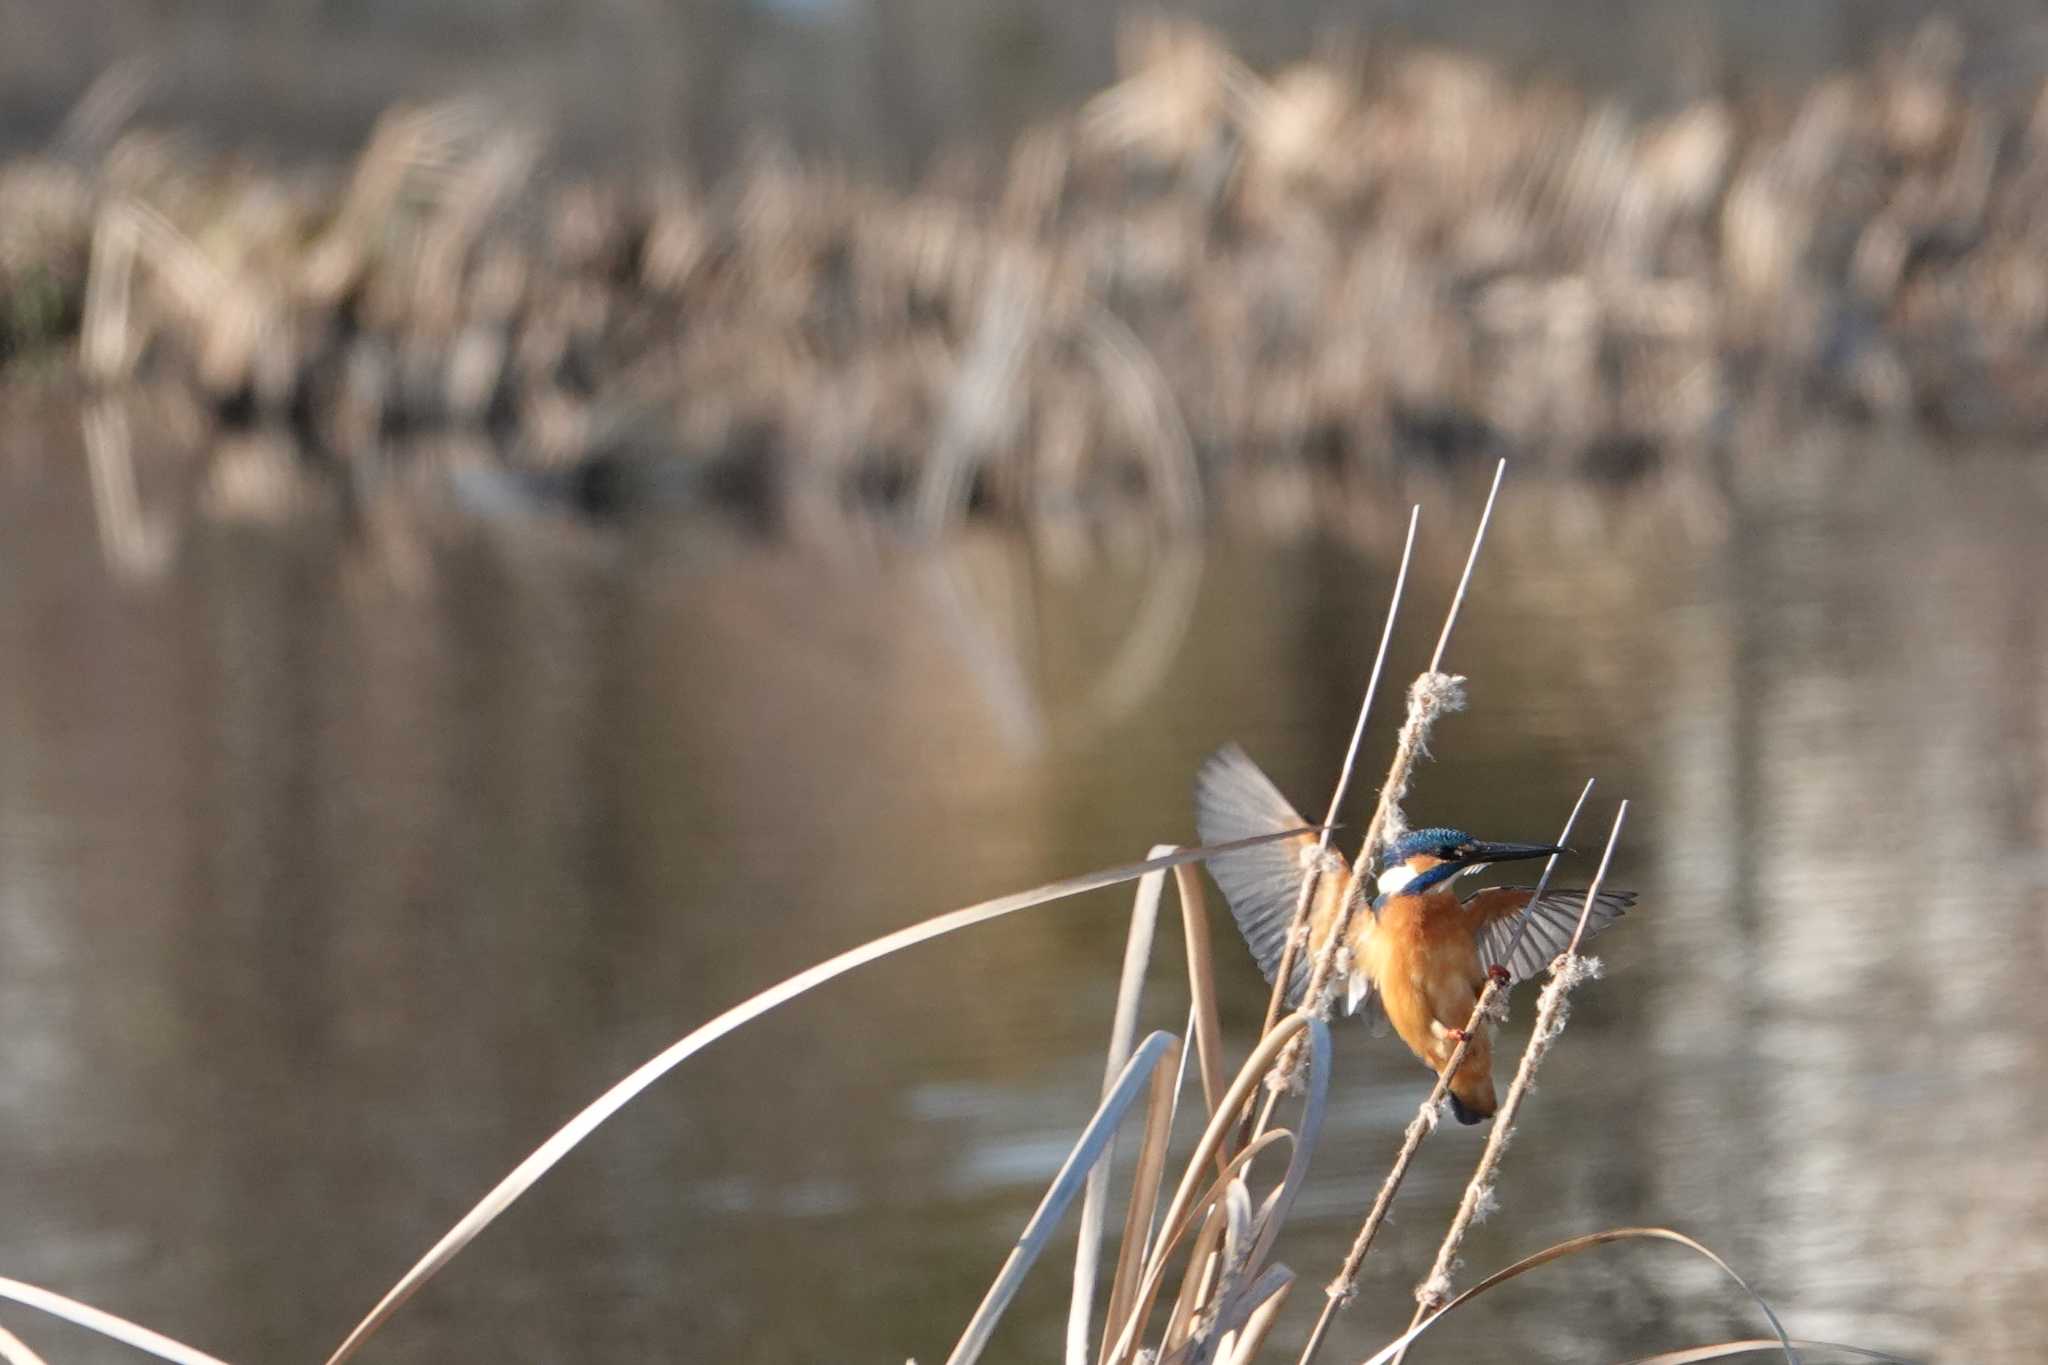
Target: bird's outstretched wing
[
  {"x": 1234, "y": 800},
  {"x": 1500, "y": 911}
]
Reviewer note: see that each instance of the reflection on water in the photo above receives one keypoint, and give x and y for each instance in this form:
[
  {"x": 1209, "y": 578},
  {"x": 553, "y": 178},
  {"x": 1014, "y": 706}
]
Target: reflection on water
[{"x": 319, "y": 904}]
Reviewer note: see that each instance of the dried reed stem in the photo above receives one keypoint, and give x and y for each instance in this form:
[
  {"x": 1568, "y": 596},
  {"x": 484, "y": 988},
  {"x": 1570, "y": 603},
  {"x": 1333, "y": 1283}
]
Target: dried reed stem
[
  {"x": 565, "y": 1139},
  {"x": 1136, "y": 1245},
  {"x": 1184, "y": 1203},
  {"x": 105, "y": 1323},
  {"x": 1297, "y": 933},
  {"x": 1429, "y": 697},
  {"x": 1203, "y": 1028},
  {"x": 15, "y": 1351},
  {"x": 1566, "y": 972},
  {"x": 1573, "y": 1246},
  {"x": 1086, "y": 1156},
  {"x": 1424, "y": 1123},
  {"x": 1443, "y": 639},
  {"x": 1205, "y": 1024},
  {"x": 1252, "y": 1339},
  {"x": 1123, "y": 1033}
]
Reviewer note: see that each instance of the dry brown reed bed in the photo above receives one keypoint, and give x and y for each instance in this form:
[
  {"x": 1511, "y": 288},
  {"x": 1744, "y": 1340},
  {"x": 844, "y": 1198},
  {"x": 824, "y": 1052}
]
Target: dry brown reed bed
[
  {"x": 1204, "y": 275},
  {"x": 1195, "y": 1276}
]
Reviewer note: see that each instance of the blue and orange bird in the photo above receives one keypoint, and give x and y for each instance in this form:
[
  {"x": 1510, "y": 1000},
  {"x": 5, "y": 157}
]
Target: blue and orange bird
[{"x": 1422, "y": 955}]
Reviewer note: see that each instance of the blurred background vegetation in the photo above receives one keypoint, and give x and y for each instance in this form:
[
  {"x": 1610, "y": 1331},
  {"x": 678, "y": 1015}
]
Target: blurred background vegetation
[{"x": 881, "y": 83}]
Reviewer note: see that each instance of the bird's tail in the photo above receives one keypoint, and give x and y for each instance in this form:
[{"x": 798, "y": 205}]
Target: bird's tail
[{"x": 1471, "y": 1095}]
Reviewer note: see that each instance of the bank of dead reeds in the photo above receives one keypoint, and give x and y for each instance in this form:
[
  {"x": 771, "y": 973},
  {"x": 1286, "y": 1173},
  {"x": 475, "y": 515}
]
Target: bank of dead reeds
[{"x": 1206, "y": 278}]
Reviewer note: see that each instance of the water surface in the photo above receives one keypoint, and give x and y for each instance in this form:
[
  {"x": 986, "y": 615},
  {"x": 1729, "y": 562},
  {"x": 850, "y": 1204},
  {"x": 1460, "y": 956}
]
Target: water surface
[{"x": 322, "y": 901}]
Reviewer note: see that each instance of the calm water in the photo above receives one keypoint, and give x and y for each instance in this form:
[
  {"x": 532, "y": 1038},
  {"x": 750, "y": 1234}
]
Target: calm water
[{"x": 321, "y": 902}]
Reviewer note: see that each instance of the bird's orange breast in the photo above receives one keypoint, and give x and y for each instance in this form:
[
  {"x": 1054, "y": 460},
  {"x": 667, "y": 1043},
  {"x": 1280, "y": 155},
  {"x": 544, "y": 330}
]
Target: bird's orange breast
[{"x": 1424, "y": 961}]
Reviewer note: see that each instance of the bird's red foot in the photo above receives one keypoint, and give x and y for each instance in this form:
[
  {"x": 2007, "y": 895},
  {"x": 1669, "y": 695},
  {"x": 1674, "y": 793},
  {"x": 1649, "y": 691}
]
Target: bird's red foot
[
  {"x": 1500, "y": 975},
  {"x": 1458, "y": 1035}
]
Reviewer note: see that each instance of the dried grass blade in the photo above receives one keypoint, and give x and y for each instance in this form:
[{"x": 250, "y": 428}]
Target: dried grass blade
[
  {"x": 1248, "y": 1076},
  {"x": 1208, "y": 1028},
  {"x": 1233, "y": 1312},
  {"x": 543, "y": 1158},
  {"x": 1692, "y": 1355},
  {"x": 15, "y": 1351},
  {"x": 1238, "y": 1232},
  {"x": 1310, "y": 1127},
  {"x": 1122, "y": 1030},
  {"x": 1212, "y": 1208},
  {"x": 1571, "y": 1247},
  {"x": 1087, "y": 1152},
  {"x": 1205, "y": 1266},
  {"x": 1144, "y": 1197},
  {"x": 106, "y": 1324},
  {"x": 1153, "y": 1233},
  {"x": 1259, "y": 1325}
]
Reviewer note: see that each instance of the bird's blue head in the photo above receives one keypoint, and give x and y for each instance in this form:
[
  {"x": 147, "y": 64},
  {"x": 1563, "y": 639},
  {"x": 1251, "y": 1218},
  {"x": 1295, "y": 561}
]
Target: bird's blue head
[
  {"x": 1438, "y": 842},
  {"x": 1425, "y": 858}
]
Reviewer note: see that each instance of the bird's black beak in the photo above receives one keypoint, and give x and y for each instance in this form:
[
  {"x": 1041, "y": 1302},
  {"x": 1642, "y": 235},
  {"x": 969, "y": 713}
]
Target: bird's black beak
[{"x": 1505, "y": 853}]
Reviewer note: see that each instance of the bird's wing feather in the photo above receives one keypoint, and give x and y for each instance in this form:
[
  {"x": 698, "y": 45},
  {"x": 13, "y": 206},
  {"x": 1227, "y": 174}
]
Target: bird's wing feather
[
  {"x": 1234, "y": 800},
  {"x": 1500, "y": 911}
]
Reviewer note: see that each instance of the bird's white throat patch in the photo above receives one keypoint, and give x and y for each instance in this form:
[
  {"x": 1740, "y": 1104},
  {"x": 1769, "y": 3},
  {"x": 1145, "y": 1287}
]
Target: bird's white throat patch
[{"x": 1396, "y": 878}]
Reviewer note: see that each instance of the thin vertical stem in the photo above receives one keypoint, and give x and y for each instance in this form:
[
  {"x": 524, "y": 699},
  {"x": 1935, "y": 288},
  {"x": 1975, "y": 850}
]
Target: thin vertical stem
[
  {"x": 1372, "y": 684},
  {"x": 1298, "y": 931},
  {"x": 1465, "y": 579}
]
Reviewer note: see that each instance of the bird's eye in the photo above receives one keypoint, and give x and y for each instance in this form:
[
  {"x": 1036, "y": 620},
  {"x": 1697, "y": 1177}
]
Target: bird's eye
[{"x": 1448, "y": 852}]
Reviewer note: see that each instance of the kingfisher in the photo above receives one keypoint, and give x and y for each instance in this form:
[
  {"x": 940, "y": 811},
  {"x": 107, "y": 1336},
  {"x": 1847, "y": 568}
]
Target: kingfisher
[{"x": 1420, "y": 958}]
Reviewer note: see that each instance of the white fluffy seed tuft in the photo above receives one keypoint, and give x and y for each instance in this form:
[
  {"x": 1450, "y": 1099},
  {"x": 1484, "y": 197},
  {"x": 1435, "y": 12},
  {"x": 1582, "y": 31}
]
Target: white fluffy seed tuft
[{"x": 1433, "y": 1291}]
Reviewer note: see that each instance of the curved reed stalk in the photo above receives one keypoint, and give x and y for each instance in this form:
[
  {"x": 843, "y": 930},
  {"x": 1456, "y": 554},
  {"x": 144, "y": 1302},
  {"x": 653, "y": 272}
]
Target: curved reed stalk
[
  {"x": 105, "y": 1323},
  {"x": 543, "y": 1158},
  {"x": 1723, "y": 1350},
  {"x": 1572, "y": 1246},
  {"x": 15, "y": 1351},
  {"x": 1252, "y": 1339}
]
